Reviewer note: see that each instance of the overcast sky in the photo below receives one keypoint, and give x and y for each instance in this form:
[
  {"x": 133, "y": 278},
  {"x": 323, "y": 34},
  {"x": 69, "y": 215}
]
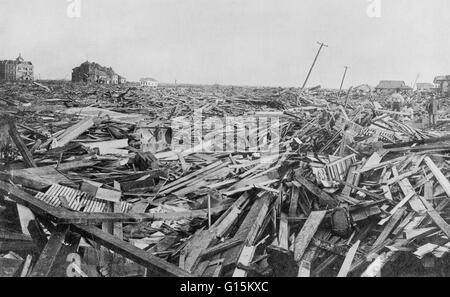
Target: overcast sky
[{"x": 242, "y": 42}]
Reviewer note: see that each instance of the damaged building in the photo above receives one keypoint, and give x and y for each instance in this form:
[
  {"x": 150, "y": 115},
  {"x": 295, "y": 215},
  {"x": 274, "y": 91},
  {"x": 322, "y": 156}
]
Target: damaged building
[
  {"x": 425, "y": 87},
  {"x": 18, "y": 69},
  {"x": 442, "y": 83},
  {"x": 391, "y": 86},
  {"x": 95, "y": 73}
]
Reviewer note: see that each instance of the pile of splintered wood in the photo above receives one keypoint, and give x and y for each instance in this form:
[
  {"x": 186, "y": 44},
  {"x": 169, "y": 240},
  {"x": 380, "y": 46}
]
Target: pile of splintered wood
[{"x": 91, "y": 186}]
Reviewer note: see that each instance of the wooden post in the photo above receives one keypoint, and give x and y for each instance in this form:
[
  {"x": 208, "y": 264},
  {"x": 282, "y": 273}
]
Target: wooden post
[
  {"x": 314, "y": 62},
  {"x": 343, "y": 78}
]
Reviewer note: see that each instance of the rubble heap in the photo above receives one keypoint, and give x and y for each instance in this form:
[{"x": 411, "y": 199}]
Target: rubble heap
[{"x": 90, "y": 185}]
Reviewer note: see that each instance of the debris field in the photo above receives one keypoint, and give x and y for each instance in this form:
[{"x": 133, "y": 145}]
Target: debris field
[{"x": 91, "y": 185}]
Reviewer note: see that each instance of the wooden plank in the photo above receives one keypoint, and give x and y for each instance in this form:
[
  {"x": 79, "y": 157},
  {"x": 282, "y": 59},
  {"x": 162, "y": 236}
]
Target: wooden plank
[
  {"x": 295, "y": 192},
  {"x": 26, "y": 266},
  {"x": 26, "y": 154},
  {"x": 219, "y": 266},
  {"x": 18, "y": 246},
  {"x": 38, "y": 234},
  {"x": 306, "y": 233},
  {"x": 220, "y": 248},
  {"x": 304, "y": 268},
  {"x": 252, "y": 186},
  {"x": 183, "y": 180},
  {"x": 403, "y": 224},
  {"x": 395, "y": 208},
  {"x": 108, "y": 195},
  {"x": 443, "y": 181},
  {"x": 398, "y": 178},
  {"x": 109, "y": 147},
  {"x": 117, "y": 227},
  {"x": 407, "y": 189},
  {"x": 25, "y": 215},
  {"x": 283, "y": 233},
  {"x": 389, "y": 227},
  {"x": 60, "y": 215},
  {"x": 25, "y": 218},
  {"x": 47, "y": 259},
  {"x": 155, "y": 265},
  {"x": 228, "y": 219},
  {"x": 380, "y": 165},
  {"x": 247, "y": 230},
  {"x": 324, "y": 264},
  {"x": 6, "y": 235},
  {"x": 352, "y": 178},
  {"x": 436, "y": 217},
  {"x": 31, "y": 202},
  {"x": 387, "y": 193},
  {"x": 245, "y": 259},
  {"x": 368, "y": 193},
  {"x": 73, "y": 132},
  {"x": 63, "y": 167},
  {"x": 412, "y": 234},
  {"x": 95, "y": 218},
  {"x": 428, "y": 190},
  {"x": 374, "y": 160},
  {"x": 360, "y": 261},
  {"x": 374, "y": 269},
  {"x": 345, "y": 268},
  {"x": 194, "y": 247},
  {"x": 324, "y": 198},
  {"x": 38, "y": 178}
]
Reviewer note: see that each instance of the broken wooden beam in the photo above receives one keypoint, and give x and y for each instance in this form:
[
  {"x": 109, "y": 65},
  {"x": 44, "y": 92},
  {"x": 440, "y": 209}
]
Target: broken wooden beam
[
  {"x": 15, "y": 136},
  {"x": 73, "y": 132},
  {"x": 220, "y": 248},
  {"x": 307, "y": 232},
  {"x": 345, "y": 268},
  {"x": 443, "y": 181},
  {"x": 389, "y": 227},
  {"x": 324, "y": 198},
  {"x": 156, "y": 266},
  {"x": 47, "y": 259}
]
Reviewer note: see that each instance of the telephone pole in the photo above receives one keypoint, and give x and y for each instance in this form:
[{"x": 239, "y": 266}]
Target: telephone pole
[
  {"x": 314, "y": 62},
  {"x": 343, "y": 78}
]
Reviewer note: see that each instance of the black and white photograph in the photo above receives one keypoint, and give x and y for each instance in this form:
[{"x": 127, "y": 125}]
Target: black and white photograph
[{"x": 238, "y": 140}]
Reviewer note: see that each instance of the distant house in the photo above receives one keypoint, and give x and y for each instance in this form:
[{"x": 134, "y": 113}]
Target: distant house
[
  {"x": 17, "y": 69},
  {"x": 149, "y": 82},
  {"x": 93, "y": 72},
  {"x": 122, "y": 80},
  {"x": 442, "y": 84},
  {"x": 392, "y": 86},
  {"x": 424, "y": 87}
]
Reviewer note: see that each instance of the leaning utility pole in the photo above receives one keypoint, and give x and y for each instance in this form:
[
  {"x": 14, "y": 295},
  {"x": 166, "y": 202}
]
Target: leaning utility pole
[
  {"x": 314, "y": 62},
  {"x": 343, "y": 78}
]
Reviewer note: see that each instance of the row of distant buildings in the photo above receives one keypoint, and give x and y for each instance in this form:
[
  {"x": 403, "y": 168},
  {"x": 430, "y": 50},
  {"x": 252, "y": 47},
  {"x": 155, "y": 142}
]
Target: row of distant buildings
[
  {"x": 441, "y": 85},
  {"x": 94, "y": 72},
  {"x": 21, "y": 70}
]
